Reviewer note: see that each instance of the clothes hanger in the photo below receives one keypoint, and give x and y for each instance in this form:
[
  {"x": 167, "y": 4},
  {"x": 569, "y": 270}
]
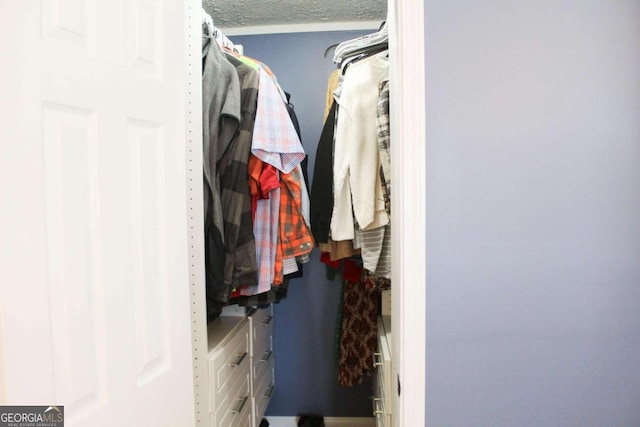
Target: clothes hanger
[
  {"x": 364, "y": 53},
  {"x": 208, "y": 21},
  {"x": 348, "y": 47},
  {"x": 215, "y": 33},
  {"x": 333, "y": 46}
]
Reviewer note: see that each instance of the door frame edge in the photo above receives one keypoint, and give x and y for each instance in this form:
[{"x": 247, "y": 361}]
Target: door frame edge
[{"x": 408, "y": 159}]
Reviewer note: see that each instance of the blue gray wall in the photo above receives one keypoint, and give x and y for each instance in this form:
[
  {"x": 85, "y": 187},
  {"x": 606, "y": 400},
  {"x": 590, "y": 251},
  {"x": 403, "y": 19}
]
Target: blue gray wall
[
  {"x": 533, "y": 220},
  {"x": 306, "y": 372}
]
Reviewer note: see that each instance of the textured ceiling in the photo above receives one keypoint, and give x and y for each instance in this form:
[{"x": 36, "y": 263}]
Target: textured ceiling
[{"x": 245, "y": 13}]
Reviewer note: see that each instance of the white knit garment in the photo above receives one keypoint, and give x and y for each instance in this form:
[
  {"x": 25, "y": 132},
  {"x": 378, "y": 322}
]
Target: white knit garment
[{"x": 356, "y": 168}]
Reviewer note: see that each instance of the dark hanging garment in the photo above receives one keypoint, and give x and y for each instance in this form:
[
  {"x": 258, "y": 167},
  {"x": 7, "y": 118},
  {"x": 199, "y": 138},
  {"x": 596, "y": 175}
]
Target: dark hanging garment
[
  {"x": 274, "y": 295},
  {"x": 221, "y": 118},
  {"x": 294, "y": 119},
  {"x": 322, "y": 185},
  {"x": 296, "y": 125},
  {"x": 359, "y": 327},
  {"x": 239, "y": 241},
  {"x": 214, "y": 268}
]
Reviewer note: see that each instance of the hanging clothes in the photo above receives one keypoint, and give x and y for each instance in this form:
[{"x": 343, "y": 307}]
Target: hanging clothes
[
  {"x": 332, "y": 85},
  {"x": 322, "y": 191},
  {"x": 280, "y": 230},
  {"x": 383, "y": 124},
  {"x": 375, "y": 246},
  {"x": 295, "y": 237},
  {"x": 322, "y": 188},
  {"x": 293, "y": 268},
  {"x": 350, "y": 218},
  {"x": 239, "y": 241},
  {"x": 275, "y": 140},
  {"x": 359, "y": 328},
  {"x": 257, "y": 207},
  {"x": 357, "y": 185},
  {"x": 265, "y": 182},
  {"x": 221, "y": 119}
]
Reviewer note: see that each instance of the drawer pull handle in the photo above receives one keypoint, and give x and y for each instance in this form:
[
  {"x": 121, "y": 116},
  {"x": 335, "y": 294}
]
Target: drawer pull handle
[
  {"x": 269, "y": 393},
  {"x": 376, "y": 356},
  {"x": 243, "y": 401},
  {"x": 267, "y": 356},
  {"x": 267, "y": 320},
  {"x": 376, "y": 406},
  {"x": 241, "y": 357}
]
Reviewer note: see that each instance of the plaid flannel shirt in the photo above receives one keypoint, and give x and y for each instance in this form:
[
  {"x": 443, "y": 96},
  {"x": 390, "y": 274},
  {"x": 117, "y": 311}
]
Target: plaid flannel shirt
[
  {"x": 275, "y": 140},
  {"x": 295, "y": 237},
  {"x": 265, "y": 224}
]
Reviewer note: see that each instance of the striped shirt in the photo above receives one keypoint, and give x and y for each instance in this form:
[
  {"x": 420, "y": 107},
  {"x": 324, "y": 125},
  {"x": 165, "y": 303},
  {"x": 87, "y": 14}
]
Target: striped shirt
[
  {"x": 383, "y": 127},
  {"x": 240, "y": 259}
]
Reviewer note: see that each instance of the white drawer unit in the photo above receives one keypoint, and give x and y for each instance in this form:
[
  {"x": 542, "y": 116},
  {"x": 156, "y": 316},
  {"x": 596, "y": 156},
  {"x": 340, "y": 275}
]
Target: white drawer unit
[
  {"x": 261, "y": 324},
  {"x": 229, "y": 361},
  {"x": 262, "y": 361},
  {"x": 241, "y": 368},
  {"x": 235, "y": 410},
  {"x": 263, "y": 390},
  {"x": 382, "y": 400}
]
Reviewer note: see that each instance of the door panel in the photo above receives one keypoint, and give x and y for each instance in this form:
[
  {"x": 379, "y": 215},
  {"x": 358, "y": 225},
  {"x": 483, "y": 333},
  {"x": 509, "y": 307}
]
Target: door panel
[
  {"x": 148, "y": 248},
  {"x": 94, "y": 293},
  {"x": 69, "y": 143}
]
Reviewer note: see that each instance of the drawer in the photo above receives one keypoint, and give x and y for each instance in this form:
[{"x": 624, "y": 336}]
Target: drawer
[
  {"x": 228, "y": 364},
  {"x": 235, "y": 408},
  {"x": 380, "y": 393},
  {"x": 261, "y": 323},
  {"x": 262, "y": 341},
  {"x": 263, "y": 390},
  {"x": 262, "y": 359},
  {"x": 383, "y": 421},
  {"x": 378, "y": 398},
  {"x": 378, "y": 410},
  {"x": 234, "y": 419},
  {"x": 266, "y": 378},
  {"x": 382, "y": 374},
  {"x": 382, "y": 364}
]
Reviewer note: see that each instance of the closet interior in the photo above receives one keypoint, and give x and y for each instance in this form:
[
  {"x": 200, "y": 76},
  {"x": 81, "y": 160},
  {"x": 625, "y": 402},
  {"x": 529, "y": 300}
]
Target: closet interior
[{"x": 272, "y": 217}]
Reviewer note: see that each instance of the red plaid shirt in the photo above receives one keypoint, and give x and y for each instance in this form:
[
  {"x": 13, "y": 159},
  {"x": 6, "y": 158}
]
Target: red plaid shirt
[{"x": 294, "y": 238}]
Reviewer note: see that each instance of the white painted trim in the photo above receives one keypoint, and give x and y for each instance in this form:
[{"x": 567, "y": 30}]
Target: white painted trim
[
  {"x": 328, "y": 422},
  {"x": 407, "y": 50},
  {"x": 195, "y": 208},
  {"x": 302, "y": 28}
]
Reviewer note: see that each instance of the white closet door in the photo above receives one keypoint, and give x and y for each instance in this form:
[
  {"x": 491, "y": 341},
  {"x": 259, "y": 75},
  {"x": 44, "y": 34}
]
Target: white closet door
[{"x": 94, "y": 293}]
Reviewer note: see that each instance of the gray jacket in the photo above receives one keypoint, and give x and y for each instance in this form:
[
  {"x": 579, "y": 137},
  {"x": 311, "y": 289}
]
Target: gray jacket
[{"x": 221, "y": 120}]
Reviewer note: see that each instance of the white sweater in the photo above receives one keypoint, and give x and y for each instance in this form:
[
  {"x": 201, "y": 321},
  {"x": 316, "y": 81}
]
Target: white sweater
[{"x": 356, "y": 168}]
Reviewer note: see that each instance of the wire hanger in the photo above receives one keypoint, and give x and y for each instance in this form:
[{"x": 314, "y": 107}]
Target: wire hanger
[
  {"x": 333, "y": 46},
  {"x": 215, "y": 33},
  {"x": 362, "y": 44},
  {"x": 208, "y": 21}
]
